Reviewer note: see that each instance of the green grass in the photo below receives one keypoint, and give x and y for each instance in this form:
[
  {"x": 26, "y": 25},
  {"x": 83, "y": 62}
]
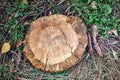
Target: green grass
[
  {"x": 91, "y": 69},
  {"x": 5, "y": 74},
  {"x": 15, "y": 27},
  {"x": 99, "y": 15}
]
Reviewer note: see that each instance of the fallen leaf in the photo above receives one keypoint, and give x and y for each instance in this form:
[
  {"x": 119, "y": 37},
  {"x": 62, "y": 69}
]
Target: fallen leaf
[
  {"x": 113, "y": 31},
  {"x": 18, "y": 43},
  {"x": 22, "y": 79},
  {"x": 13, "y": 70},
  {"x": 50, "y": 13},
  {"x": 93, "y": 5},
  {"x": 5, "y": 47},
  {"x": 26, "y": 23}
]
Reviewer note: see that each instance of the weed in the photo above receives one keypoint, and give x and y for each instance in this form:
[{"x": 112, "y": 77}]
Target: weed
[
  {"x": 99, "y": 15},
  {"x": 5, "y": 74}
]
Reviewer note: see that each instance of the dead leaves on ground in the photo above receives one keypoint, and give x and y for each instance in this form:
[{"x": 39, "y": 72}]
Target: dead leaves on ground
[
  {"x": 18, "y": 43},
  {"x": 5, "y": 47}
]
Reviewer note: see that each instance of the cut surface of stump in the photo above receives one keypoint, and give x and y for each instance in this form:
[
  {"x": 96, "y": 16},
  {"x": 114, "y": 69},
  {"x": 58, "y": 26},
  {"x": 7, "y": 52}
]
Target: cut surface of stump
[{"x": 55, "y": 43}]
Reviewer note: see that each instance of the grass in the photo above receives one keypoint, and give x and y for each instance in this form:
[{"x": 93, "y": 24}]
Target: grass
[
  {"x": 5, "y": 74},
  {"x": 100, "y": 15},
  {"x": 15, "y": 19},
  {"x": 92, "y": 69}
]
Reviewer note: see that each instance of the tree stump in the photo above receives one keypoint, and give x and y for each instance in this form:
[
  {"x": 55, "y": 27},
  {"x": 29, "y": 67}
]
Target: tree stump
[{"x": 55, "y": 43}]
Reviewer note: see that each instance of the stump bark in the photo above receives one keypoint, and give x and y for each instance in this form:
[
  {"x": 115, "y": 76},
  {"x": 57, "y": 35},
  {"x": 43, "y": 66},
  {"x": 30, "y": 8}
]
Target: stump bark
[{"x": 55, "y": 43}]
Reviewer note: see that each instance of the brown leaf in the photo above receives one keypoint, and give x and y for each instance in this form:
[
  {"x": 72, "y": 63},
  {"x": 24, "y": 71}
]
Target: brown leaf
[
  {"x": 50, "y": 13},
  {"x": 93, "y": 5},
  {"x": 113, "y": 31},
  {"x": 22, "y": 79},
  {"x": 13, "y": 70},
  {"x": 5, "y": 47},
  {"x": 18, "y": 43}
]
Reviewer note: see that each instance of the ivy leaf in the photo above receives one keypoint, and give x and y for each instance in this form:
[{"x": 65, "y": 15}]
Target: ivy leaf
[
  {"x": 108, "y": 9},
  {"x": 5, "y": 47}
]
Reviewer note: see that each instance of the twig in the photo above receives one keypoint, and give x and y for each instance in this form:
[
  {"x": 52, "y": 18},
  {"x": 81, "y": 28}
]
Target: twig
[
  {"x": 1, "y": 24},
  {"x": 94, "y": 34},
  {"x": 90, "y": 44},
  {"x": 61, "y": 2},
  {"x": 26, "y": 16}
]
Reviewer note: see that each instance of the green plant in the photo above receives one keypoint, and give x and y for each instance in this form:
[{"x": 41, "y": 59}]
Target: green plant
[
  {"x": 14, "y": 27},
  {"x": 99, "y": 15},
  {"x": 5, "y": 74}
]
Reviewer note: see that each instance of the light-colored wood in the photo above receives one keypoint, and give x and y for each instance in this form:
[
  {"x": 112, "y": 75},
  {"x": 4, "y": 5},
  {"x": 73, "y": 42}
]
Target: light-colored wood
[{"x": 55, "y": 43}]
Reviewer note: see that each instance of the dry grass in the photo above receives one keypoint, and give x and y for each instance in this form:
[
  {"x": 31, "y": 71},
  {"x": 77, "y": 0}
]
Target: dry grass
[{"x": 91, "y": 68}]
